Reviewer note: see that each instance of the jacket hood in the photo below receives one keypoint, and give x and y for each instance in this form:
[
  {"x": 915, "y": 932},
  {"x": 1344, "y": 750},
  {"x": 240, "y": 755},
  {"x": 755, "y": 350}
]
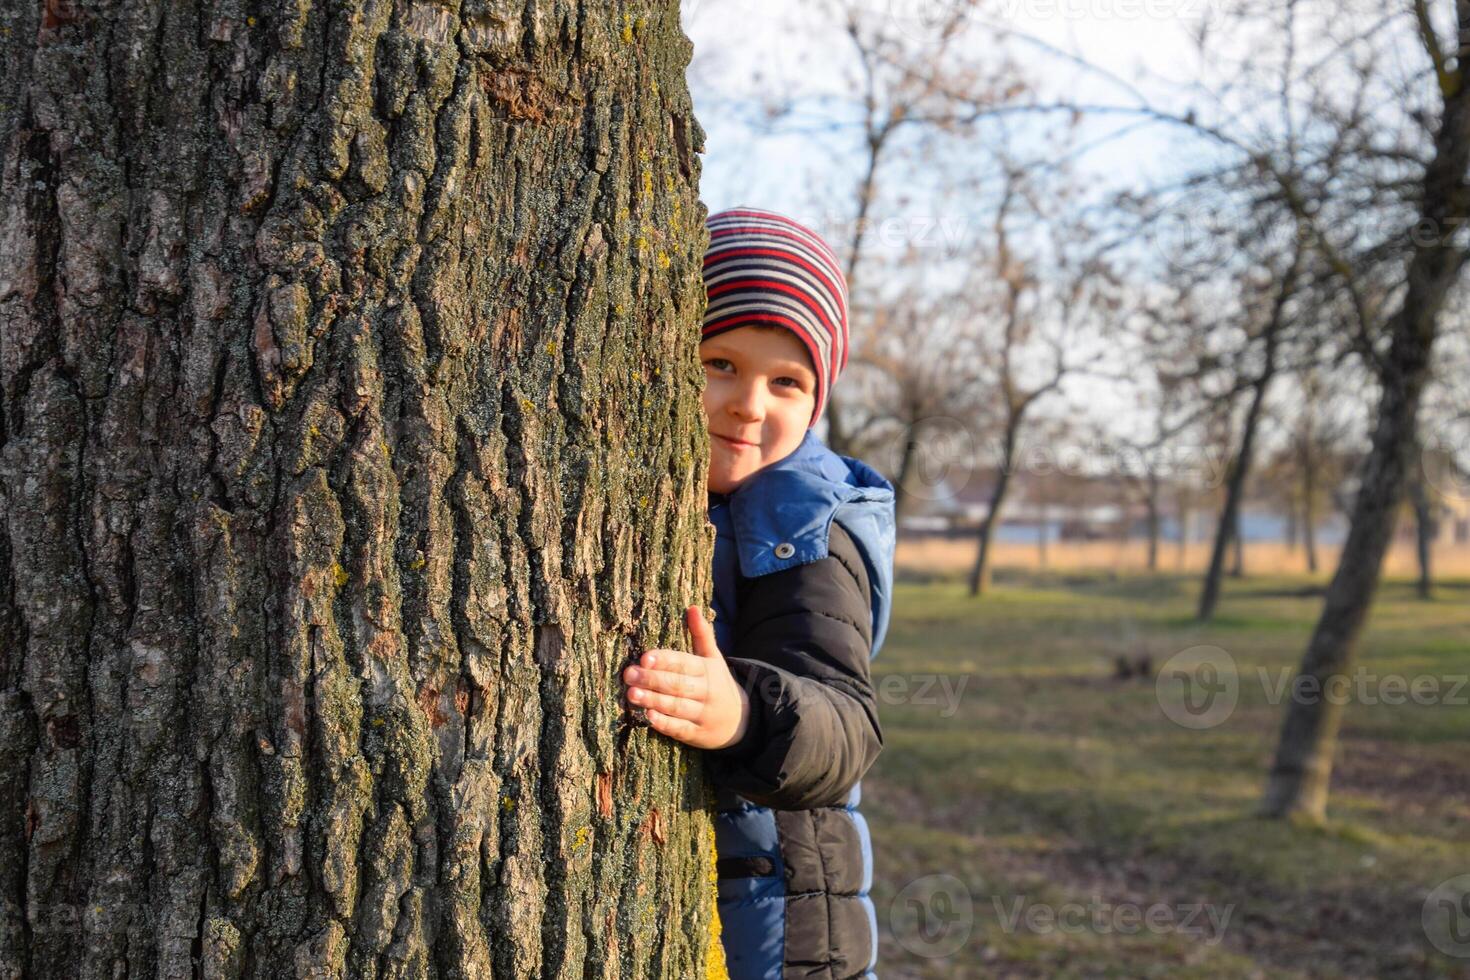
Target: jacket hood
[{"x": 781, "y": 516}]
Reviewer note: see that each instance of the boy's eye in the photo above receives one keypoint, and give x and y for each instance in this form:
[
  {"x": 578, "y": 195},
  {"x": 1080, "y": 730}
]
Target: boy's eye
[{"x": 717, "y": 362}]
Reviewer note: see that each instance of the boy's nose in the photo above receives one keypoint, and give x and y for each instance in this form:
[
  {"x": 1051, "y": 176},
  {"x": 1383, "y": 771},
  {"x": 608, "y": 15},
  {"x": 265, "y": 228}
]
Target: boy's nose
[{"x": 749, "y": 403}]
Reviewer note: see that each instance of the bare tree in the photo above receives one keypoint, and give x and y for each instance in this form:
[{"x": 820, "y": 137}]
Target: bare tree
[
  {"x": 1142, "y": 463},
  {"x": 1398, "y": 339},
  {"x": 1368, "y": 151},
  {"x": 1038, "y": 315},
  {"x": 913, "y": 91},
  {"x": 920, "y": 390},
  {"x": 1271, "y": 336}
]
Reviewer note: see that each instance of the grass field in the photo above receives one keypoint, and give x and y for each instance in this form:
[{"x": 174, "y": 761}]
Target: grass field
[{"x": 1035, "y": 816}]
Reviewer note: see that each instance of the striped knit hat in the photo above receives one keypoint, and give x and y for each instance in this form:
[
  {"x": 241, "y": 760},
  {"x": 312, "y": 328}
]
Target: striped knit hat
[{"x": 762, "y": 267}]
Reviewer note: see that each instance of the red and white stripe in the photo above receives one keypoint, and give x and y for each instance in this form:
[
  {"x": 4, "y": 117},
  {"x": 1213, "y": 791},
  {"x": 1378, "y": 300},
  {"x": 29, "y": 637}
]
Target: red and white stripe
[{"x": 762, "y": 267}]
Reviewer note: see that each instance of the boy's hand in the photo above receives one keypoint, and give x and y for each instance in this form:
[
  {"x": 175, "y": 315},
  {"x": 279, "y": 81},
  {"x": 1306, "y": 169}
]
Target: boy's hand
[{"x": 690, "y": 697}]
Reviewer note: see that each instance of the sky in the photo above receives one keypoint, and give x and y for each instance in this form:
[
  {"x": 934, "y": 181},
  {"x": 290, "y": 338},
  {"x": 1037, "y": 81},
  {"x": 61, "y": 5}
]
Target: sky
[
  {"x": 749, "y": 51},
  {"x": 786, "y": 48}
]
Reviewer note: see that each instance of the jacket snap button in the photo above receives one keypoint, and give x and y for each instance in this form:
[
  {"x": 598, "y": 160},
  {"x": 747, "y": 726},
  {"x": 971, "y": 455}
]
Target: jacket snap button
[{"x": 785, "y": 550}]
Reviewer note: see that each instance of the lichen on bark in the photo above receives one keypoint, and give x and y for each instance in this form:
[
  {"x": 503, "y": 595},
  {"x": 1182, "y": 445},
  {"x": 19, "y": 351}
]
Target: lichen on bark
[{"x": 350, "y": 444}]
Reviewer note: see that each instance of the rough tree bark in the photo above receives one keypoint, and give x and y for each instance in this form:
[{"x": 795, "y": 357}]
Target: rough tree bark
[
  {"x": 350, "y": 443},
  {"x": 1302, "y": 770}
]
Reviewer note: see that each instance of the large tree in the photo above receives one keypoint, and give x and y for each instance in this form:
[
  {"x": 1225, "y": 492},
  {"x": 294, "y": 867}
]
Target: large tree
[
  {"x": 350, "y": 444},
  {"x": 1399, "y": 341}
]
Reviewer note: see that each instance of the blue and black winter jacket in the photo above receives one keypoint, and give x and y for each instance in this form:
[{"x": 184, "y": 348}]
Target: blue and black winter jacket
[{"x": 803, "y": 588}]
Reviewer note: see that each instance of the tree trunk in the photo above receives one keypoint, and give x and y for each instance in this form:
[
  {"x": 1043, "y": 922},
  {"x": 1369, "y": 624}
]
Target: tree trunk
[
  {"x": 1225, "y": 526},
  {"x": 837, "y": 438},
  {"x": 1425, "y": 529},
  {"x": 1309, "y": 512},
  {"x": 1186, "y": 515},
  {"x": 1152, "y": 505},
  {"x": 980, "y": 571},
  {"x": 1237, "y": 547},
  {"x": 350, "y": 444},
  {"x": 1041, "y": 538},
  {"x": 1229, "y": 523},
  {"x": 903, "y": 504},
  {"x": 1302, "y": 769}
]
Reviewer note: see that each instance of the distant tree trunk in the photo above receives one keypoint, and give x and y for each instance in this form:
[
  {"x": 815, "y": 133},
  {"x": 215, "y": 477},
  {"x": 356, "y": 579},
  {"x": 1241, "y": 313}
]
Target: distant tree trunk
[
  {"x": 1237, "y": 547},
  {"x": 1309, "y": 510},
  {"x": 1302, "y": 770},
  {"x": 1425, "y": 530},
  {"x": 980, "y": 571},
  {"x": 902, "y": 505},
  {"x": 350, "y": 444},
  {"x": 1186, "y": 516},
  {"x": 837, "y": 439},
  {"x": 1151, "y": 503},
  {"x": 1225, "y": 525},
  {"x": 1235, "y": 484},
  {"x": 908, "y": 455},
  {"x": 1041, "y": 536}
]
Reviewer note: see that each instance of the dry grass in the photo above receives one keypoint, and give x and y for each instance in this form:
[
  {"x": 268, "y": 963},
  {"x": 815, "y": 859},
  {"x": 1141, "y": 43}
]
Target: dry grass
[
  {"x": 951, "y": 556},
  {"x": 1044, "y": 781}
]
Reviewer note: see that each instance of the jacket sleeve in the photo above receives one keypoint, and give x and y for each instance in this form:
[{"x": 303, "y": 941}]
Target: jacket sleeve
[{"x": 803, "y": 639}]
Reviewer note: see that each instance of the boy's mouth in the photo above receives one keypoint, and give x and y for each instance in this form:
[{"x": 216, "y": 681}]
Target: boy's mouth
[{"x": 734, "y": 443}]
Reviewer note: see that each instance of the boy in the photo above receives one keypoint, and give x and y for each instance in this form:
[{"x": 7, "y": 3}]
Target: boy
[{"x": 803, "y": 580}]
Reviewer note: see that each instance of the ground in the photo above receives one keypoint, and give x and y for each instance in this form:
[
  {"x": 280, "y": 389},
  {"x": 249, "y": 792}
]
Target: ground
[{"x": 1085, "y": 834}]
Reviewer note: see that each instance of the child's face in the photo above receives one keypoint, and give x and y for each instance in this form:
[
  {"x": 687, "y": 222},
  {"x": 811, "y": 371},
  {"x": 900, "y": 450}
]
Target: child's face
[{"x": 760, "y": 389}]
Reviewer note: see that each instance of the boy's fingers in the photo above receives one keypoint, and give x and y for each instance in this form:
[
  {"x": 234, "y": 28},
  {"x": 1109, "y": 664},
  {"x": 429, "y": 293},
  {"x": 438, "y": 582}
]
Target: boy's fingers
[
  {"x": 667, "y": 682},
  {"x": 677, "y": 728},
  {"x": 672, "y": 661},
  {"x": 667, "y": 704},
  {"x": 702, "y": 631}
]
